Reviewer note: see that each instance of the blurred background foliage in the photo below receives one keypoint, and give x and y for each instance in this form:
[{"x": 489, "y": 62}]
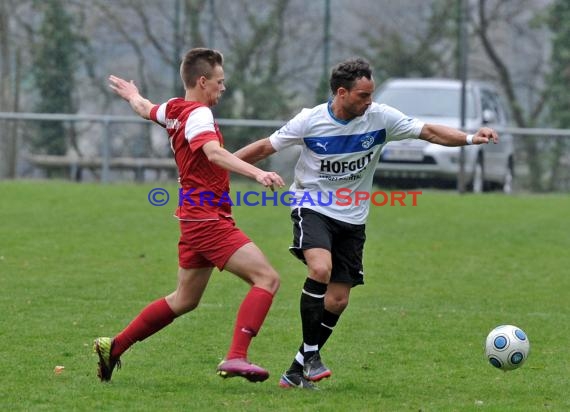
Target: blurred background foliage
[{"x": 56, "y": 55}]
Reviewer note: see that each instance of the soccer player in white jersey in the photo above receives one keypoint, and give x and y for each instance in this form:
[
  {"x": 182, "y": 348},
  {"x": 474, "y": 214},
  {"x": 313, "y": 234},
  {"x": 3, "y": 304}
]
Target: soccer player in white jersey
[{"x": 341, "y": 142}]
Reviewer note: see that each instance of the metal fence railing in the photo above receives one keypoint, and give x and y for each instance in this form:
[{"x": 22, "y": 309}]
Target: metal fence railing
[
  {"x": 542, "y": 158},
  {"x": 108, "y": 148},
  {"x": 99, "y": 142}
]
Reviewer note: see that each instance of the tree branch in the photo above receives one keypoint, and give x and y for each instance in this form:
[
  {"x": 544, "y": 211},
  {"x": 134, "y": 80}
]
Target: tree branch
[{"x": 500, "y": 66}]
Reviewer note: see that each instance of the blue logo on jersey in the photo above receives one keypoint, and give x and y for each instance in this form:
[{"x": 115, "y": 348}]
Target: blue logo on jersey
[
  {"x": 343, "y": 144},
  {"x": 367, "y": 141}
]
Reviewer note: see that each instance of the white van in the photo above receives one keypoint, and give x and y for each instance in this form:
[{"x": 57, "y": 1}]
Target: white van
[{"x": 438, "y": 101}]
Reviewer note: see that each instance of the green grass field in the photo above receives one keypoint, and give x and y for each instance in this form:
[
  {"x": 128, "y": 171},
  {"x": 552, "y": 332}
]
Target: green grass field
[{"x": 80, "y": 261}]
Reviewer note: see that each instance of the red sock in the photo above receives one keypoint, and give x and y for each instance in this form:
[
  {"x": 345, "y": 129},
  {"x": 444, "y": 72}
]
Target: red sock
[
  {"x": 153, "y": 318},
  {"x": 250, "y": 317}
]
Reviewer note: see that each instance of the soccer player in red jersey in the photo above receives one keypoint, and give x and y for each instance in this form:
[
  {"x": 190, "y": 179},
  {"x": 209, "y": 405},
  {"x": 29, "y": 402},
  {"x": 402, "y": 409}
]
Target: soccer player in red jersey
[{"x": 209, "y": 237}]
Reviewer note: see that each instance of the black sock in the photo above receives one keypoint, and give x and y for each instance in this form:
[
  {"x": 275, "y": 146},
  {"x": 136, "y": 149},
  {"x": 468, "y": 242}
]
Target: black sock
[
  {"x": 327, "y": 325},
  {"x": 312, "y": 308},
  {"x": 295, "y": 367}
]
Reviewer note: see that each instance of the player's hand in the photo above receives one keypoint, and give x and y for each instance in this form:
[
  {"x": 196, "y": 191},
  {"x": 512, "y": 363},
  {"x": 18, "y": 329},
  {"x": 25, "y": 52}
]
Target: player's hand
[
  {"x": 485, "y": 135},
  {"x": 127, "y": 90},
  {"x": 270, "y": 180}
]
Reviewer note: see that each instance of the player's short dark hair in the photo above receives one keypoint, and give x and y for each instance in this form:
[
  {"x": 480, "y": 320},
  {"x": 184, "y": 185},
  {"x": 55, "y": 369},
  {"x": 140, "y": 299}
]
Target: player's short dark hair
[
  {"x": 347, "y": 72},
  {"x": 199, "y": 62}
]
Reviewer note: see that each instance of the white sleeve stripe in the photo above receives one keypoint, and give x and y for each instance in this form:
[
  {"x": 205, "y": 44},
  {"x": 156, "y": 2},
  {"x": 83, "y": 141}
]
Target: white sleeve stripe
[
  {"x": 192, "y": 132},
  {"x": 161, "y": 114},
  {"x": 199, "y": 121}
]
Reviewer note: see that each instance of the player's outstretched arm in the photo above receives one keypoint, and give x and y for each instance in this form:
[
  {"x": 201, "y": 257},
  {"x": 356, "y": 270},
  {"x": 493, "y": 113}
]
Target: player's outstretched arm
[
  {"x": 130, "y": 92},
  {"x": 448, "y": 136},
  {"x": 256, "y": 151},
  {"x": 221, "y": 157}
]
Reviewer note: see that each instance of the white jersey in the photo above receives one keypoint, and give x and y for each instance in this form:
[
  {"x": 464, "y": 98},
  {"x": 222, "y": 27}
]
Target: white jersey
[{"x": 340, "y": 155}]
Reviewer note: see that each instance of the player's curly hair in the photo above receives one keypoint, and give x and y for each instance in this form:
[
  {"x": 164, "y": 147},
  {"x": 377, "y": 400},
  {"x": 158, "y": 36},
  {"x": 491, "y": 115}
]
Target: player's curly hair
[
  {"x": 199, "y": 62},
  {"x": 347, "y": 72}
]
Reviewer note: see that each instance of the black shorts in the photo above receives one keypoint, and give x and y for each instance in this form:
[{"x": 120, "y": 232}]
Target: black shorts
[{"x": 345, "y": 241}]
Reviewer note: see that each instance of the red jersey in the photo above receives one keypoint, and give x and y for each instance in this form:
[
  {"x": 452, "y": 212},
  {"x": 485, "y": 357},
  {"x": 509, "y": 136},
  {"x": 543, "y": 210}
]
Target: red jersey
[{"x": 204, "y": 186}]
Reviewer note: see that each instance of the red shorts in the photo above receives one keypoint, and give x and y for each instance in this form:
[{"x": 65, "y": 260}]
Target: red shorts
[{"x": 208, "y": 243}]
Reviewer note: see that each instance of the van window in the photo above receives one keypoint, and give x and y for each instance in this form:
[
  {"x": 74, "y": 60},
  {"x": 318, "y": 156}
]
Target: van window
[
  {"x": 490, "y": 101},
  {"x": 426, "y": 101}
]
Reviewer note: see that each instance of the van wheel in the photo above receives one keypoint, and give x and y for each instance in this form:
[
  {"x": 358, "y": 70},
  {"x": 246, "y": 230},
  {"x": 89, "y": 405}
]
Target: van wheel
[
  {"x": 507, "y": 186},
  {"x": 478, "y": 180}
]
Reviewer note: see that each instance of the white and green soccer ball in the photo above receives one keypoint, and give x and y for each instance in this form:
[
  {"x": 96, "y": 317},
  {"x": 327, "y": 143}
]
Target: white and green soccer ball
[{"x": 507, "y": 347}]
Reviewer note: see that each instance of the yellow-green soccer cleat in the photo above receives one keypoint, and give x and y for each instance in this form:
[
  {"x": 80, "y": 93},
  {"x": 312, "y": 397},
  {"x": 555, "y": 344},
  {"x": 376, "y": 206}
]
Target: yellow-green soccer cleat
[{"x": 102, "y": 347}]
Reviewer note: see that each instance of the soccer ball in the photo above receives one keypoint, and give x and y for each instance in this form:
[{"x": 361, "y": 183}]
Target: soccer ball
[{"x": 507, "y": 347}]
